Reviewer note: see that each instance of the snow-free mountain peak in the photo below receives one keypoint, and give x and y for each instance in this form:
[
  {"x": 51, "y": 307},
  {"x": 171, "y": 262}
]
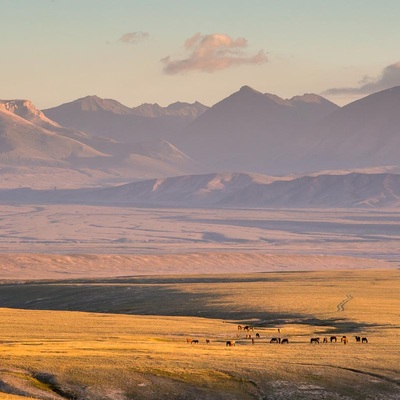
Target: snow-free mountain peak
[{"x": 26, "y": 110}]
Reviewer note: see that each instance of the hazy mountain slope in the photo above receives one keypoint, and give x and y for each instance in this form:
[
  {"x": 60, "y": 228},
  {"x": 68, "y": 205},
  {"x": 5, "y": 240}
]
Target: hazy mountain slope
[
  {"x": 372, "y": 190},
  {"x": 365, "y": 133},
  {"x": 109, "y": 118},
  {"x": 235, "y": 190},
  {"x": 29, "y": 138},
  {"x": 22, "y": 142},
  {"x": 252, "y": 131},
  {"x": 189, "y": 190}
]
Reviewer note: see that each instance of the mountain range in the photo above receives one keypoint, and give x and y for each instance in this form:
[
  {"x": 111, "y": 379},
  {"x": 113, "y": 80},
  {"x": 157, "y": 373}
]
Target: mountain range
[
  {"x": 250, "y": 131},
  {"x": 93, "y": 142},
  {"x": 28, "y": 139},
  {"x": 111, "y": 119}
]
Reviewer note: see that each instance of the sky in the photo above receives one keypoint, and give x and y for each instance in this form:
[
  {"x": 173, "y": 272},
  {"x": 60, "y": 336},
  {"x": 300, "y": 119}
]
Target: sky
[{"x": 162, "y": 51}]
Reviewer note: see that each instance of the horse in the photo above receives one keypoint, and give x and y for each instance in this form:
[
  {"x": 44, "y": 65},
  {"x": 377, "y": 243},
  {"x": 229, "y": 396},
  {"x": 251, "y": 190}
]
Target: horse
[
  {"x": 285, "y": 341},
  {"x": 364, "y": 340},
  {"x": 333, "y": 339},
  {"x": 195, "y": 341},
  {"x": 189, "y": 340},
  {"x": 325, "y": 340},
  {"x": 230, "y": 343},
  {"x": 274, "y": 340},
  {"x": 314, "y": 340},
  {"x": 252, "y": 341},
  {"x": 208, "y": 341},
  {"x": 240, "y": 327},
  {"x": 343, "y": 339},
  {"x": 248, "y": 328},
  {"x": 258, "y": 335},
  {"x": 358, "y": 338}
]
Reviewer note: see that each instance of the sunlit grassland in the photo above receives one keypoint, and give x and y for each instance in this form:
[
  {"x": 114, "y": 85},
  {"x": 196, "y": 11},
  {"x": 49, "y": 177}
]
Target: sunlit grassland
[{"x": 137, "y": 355}]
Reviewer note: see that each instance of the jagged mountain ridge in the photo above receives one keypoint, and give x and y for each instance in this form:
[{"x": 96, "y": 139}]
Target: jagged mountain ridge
[{"x": 111, "y": 119}]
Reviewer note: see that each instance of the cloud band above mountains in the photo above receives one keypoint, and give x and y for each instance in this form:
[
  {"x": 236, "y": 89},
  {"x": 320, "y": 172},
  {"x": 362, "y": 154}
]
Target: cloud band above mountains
[
  {"x": 213, "y": 52},
  {"x": 389, "y": 77}
]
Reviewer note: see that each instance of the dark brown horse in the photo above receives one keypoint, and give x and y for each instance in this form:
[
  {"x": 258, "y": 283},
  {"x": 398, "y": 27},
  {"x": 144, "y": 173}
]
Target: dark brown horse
[
  {"x": 358, "y": 338},
  {"x": 333, "y": 339},
  {"x": 230, "y": 343},
  {"x": 275, "y": 340},
  {"x": 285, "y": 341},
  {"x": 364, "y": 340},
  {"x": 314, "y": 340},
  {"x": 258, "y": 335}
]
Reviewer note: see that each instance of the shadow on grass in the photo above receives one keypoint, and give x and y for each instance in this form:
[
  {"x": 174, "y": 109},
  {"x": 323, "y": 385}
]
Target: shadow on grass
[{"x": 155, "y": 296}]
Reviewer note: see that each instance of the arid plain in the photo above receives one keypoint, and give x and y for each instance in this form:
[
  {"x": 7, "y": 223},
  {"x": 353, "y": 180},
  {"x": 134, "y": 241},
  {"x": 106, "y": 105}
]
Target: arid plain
[
  {"x": 98, "y": 303},
  {"x": 144, "y": 352}
]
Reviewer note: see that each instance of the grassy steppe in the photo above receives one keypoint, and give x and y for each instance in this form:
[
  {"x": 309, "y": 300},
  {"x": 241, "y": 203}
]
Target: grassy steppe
[{"x": 142, "y": 353}]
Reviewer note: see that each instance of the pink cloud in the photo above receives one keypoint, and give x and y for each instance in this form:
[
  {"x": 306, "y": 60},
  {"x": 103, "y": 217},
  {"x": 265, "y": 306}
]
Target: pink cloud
[{"x": 210, "y": 53}]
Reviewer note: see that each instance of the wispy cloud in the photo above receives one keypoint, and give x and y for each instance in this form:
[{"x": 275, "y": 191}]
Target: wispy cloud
[
  {"x": 389, "y": 77},
  {"x": 210, "y": 53},
  {"x": 134, "y": 37}
]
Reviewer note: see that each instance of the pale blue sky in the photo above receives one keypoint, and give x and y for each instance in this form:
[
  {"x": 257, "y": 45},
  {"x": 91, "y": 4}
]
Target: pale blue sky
[{"x": 54, "y": 51}]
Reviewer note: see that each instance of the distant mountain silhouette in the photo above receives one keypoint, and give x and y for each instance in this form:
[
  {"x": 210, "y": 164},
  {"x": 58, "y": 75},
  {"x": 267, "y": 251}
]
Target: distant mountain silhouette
[
  {"x": 365, "y": 133},
  {"x": 252, "y": 131},
  {"x": 236, "y": 190},
  {"x": 249, "y": 132},
  {"x": 109, "y": 118}
]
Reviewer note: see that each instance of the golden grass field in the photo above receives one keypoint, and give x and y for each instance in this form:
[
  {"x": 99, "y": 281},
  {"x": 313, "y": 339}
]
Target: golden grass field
[{"x": 138, "y": 350}]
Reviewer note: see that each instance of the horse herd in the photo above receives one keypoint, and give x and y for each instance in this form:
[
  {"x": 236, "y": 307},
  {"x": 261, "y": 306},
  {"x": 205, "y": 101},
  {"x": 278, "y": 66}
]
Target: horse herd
[
  {"x": 333, "y": 339},
  {"x": 313, "y": 340}
]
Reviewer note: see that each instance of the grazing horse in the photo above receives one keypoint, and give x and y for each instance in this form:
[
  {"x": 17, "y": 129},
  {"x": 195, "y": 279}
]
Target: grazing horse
[
  {"x": 195, "y": 341},
  {"x": 208, "y": 341},
  {"x": 189, "y": 340},
  {"x": 230, "y": 343},
  {"x": 240, "y": 327},
  {"x": 333, "y": 339},
  {"x": 314, "y": 340},
  {"x": 258, "y": 335},
  {"x": 358, "y": 338},
  {"x": 343, "y": 339},
  {"x": 364, "y": 340},
  {"x": 325, "y": 340},
  {"x": 248, "y": 328},
  {"x": 275, "y": 340},
  {"x": 285, "y": 341}
]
